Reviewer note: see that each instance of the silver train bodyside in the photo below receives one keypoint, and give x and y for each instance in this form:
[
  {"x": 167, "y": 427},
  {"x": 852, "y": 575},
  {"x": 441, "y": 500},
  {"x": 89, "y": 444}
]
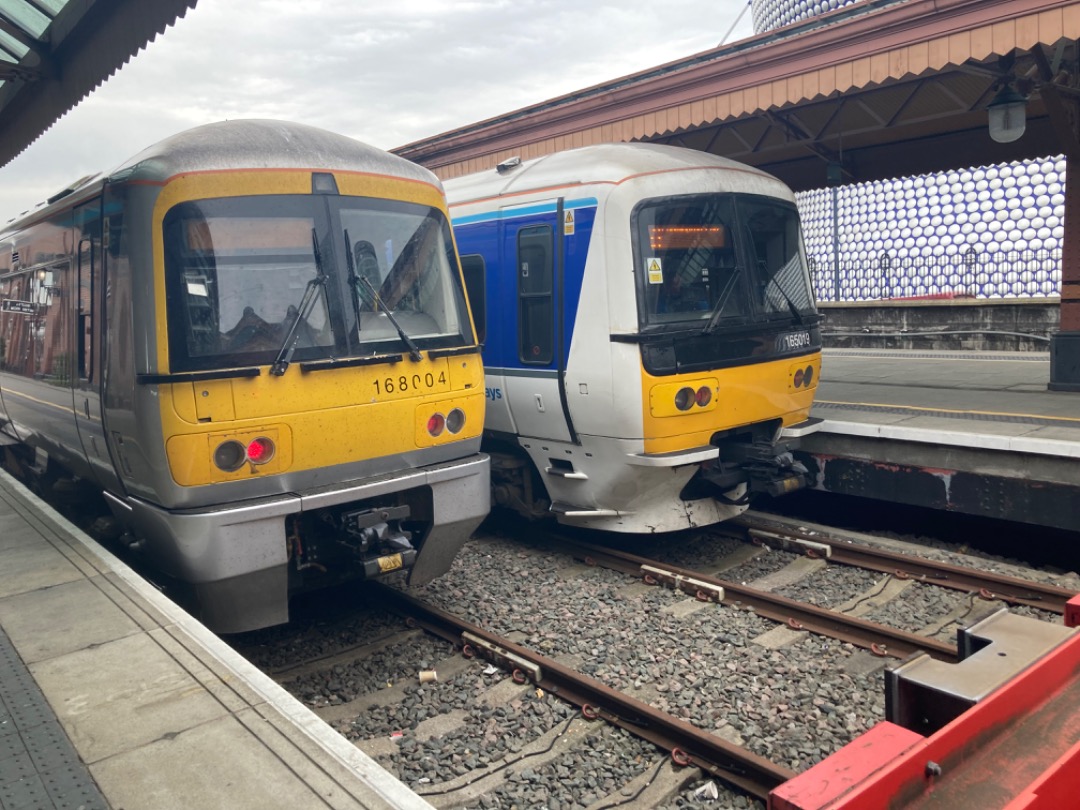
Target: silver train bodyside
[{"x": 91, "y": 385}]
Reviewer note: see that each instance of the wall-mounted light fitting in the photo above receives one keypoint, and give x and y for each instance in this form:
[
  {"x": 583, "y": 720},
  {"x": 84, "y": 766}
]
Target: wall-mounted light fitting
[{"x": 1007, "y": 115}]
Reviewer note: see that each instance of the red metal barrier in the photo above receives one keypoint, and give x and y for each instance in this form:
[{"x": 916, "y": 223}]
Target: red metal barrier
[
  {"x": 1072, "y": 612},
  {"x": 1003, "y": 752}
]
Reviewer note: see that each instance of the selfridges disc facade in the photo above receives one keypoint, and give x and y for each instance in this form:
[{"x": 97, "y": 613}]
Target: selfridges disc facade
[{"x": 984, "y": 232}]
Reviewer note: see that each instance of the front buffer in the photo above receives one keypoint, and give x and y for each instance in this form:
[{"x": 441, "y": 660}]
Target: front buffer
[{"x": 240, "y": 562}]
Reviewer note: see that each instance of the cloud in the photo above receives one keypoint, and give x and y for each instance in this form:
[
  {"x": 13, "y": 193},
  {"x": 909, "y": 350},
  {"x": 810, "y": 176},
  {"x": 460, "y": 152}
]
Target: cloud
[{"x": 386, "y": 74}]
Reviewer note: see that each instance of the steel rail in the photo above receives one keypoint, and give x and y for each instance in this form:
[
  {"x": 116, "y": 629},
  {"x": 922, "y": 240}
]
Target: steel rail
[
  {"x": 687, "y": 743},
  {"x": 878, "y": 638},
  {"x": 846, "y": 549}
]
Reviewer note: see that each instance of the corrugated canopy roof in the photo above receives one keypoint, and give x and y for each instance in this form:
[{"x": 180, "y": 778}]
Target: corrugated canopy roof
[
  {"x": 53, "y": 53},
  {"x": 878, "y": 89}
]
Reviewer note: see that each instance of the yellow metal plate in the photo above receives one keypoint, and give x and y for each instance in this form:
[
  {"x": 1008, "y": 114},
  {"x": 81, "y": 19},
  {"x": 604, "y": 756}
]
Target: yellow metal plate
[{"x": 390, "y": 563}]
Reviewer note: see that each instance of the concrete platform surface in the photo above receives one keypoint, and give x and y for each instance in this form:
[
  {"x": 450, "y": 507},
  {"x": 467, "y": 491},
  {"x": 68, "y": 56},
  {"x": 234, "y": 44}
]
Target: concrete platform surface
[
  {"x": 977, "y": 433},
  {"x": 990, "y": 400},
  {"x": 113, "y": 697}
]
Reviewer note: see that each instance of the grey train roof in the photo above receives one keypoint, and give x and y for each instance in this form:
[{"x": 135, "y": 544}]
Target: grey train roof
[
  {"x": 262, "y": 144},
  {"x": 611, "y": 162},
  {"x": 243, "y": 144}
]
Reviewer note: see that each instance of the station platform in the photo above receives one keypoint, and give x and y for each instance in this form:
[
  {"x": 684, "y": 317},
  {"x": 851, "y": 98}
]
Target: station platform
[
  {"x": 973, "y": 432},
  {"x": 111, "y": 696}
]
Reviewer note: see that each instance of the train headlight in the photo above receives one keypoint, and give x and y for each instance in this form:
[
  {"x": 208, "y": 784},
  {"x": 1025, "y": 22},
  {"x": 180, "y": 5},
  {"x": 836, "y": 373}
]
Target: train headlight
[
  {"x": 703, "y": 396},
  {"x": 260, "y": 450},
  {"x": 230, "y": 456},
  {"x": 435, "y": 424},
  {"x": 455, "y": 420},
  {"x": 685, "y": 399}
]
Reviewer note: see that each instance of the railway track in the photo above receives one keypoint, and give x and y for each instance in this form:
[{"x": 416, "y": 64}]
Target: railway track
[
  {"x": 701, "y": 692},
  {"x": 847, "y": 548}
]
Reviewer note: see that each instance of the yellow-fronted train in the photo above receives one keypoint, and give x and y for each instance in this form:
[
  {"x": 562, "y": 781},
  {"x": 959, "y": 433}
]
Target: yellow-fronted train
[
  {"x": 254, "y": 338},
  {"x": 651, "y": 340}
]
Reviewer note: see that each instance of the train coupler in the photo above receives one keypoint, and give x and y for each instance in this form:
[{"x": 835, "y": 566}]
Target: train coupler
[
  {"x": 375, "y": 537},
  {"x": 766, "y": 467},
  {"x": 790, "y": 483}
]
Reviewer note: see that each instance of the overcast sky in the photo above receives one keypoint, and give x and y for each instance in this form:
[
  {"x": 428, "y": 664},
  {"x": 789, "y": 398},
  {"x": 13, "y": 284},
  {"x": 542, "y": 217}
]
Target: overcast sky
[{"x": 387, "y": 73}]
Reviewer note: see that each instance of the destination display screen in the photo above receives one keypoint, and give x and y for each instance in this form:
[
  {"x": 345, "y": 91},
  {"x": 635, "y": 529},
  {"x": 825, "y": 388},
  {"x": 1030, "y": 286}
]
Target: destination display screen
[{"x": 687, "y": 237}]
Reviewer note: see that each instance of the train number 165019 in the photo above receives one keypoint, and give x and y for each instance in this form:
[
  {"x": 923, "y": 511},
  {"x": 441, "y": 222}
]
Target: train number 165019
[{"x": 405, "y": 383}]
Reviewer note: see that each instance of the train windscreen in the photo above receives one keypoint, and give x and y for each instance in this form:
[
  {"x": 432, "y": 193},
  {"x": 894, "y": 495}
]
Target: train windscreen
[
  {"x": 716, "y": 260},
  {"x": 246, "y": 275}
]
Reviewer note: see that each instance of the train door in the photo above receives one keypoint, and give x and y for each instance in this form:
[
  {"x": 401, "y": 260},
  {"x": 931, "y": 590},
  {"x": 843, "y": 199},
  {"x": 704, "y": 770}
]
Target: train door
[
  {"x": 86, "y": 381},
  {"x": 481, "y": 287},
  {"x": 533, "y": 387}
]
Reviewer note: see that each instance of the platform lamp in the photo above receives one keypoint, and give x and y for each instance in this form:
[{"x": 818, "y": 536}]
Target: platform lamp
[{"x": 1007, "y": 115}]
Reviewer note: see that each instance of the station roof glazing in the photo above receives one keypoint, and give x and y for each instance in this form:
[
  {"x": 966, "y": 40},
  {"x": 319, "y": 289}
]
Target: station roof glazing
[
  {"x": 55, "y": 52},
  {"x": 24, "y": 26}
]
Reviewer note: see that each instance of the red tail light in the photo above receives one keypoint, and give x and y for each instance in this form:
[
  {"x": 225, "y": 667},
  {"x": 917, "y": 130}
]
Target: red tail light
[
  {"x": 703, "y": 396},
  {"x": 435, "y": 424},
  {"x": 260, "y": 450}
]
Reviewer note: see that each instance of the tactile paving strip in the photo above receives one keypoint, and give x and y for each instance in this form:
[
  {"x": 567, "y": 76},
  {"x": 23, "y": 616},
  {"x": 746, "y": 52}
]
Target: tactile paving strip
[{"x": 39, "y": 769}]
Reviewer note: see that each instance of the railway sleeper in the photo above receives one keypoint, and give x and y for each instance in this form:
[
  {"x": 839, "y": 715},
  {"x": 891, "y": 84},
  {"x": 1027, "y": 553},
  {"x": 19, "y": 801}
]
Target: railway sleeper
[
  {"x": 700, "y": 589},
  {"x": 791, "y": 543},
  {"x": 503, "y": 657}
]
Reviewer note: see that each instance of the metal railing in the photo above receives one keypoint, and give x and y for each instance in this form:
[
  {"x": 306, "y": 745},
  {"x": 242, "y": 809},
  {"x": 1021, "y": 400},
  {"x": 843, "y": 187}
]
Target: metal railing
[{"x": 1017, "y": 274}]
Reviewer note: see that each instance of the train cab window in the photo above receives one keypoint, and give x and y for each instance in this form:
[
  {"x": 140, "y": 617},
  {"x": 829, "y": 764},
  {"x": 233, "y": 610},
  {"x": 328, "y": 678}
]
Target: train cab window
[
  {"x": 535, "y": 262},
  {"x": 687, "y": 260},
  {"x": 775, "y": 243},
  {"x": 405, "y": 266},
  {"x": 472, "y": 268},
  {"x": 237, "y": 270}
]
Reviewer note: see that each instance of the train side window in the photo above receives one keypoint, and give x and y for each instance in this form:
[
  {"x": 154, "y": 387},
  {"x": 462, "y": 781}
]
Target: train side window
[
  {"x": 535, "y": 252},
  {"x": 472, "y": 267},
  {"x": 19, "y": 323},
  {"x": 52, "y": 360}
]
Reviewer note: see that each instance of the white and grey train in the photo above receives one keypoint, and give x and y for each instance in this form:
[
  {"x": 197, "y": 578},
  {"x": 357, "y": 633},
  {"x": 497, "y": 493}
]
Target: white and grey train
[{"x": 651, "y": 339}]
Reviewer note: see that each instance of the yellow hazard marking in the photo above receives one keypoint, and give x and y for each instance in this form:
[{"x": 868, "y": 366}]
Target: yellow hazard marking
[
  {"x": 655, "y": 271},
  {"x": 568, "y": 224},
  {"x": 893, "y": 405}
]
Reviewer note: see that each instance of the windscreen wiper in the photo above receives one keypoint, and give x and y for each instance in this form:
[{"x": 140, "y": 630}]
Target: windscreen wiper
[
  {"x": 791, "y": 304},
  {"x": 721, "y": 302},
  {"x": 414, "y": 352},
  {"x": 354, "y": 280},
  {"x": 357, "y": 283},
  {"x": 311, "y": 294}
]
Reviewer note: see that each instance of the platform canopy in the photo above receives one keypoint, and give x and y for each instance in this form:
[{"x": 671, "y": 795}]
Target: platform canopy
[
  {"x": 875, "y": 90},
  {"x": 53, "y": 53}
]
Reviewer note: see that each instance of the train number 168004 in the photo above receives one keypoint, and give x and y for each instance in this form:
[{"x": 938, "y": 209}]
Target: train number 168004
[{"x": 406, "y": 383}]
